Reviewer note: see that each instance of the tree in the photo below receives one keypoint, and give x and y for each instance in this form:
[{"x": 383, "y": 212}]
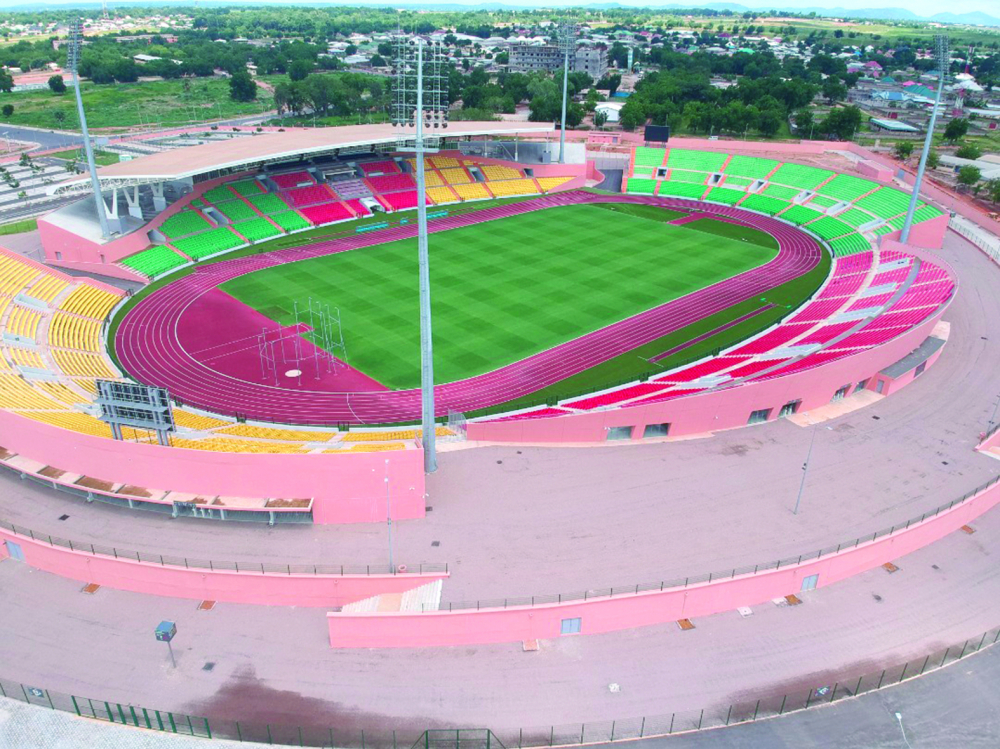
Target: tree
[
  {"x": 993, "y": 190},
  {"x": 8, "y": 110},
  {"x": 378, "y": 61},
  {"x": 351, "y": 49},
  {"x": 6, "y": 81},
  {"x": 242, "y": 87},
  {"x": 834, "y": 90},
  {"x": 59, "y": 116},
  {"x": 968, "y": 151},
  {"x": 57, "y": 84},
  {"x": 299, "y": 69},
  {"x": 956, "y": 129},
  {"x": 611, "y": 82},
  {"x": 933, "y": 159},
  {"x": 841, "y": 123},
  {"x": 803, "y": 120},
  {"x": 903, "y": 149},
  {"x": 600, "y": 118},
  {"x": 969, "y": 175},
  {"x": 769, "y": 122}
]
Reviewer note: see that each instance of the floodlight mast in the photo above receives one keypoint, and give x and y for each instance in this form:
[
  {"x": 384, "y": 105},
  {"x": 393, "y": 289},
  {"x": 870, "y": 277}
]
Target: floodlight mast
[
  {"x": 944, "y": 62},
  {"x": 73, "y": 61},
  {"x": 411, "y": 109},
  {"x": 567, "y": 40}
]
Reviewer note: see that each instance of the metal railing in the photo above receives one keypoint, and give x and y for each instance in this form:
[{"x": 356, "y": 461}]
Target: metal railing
[
  {"x": 766, "y": 705},
  {"x": 728, "y": 574},
  {"x": 258, "y": 568}
]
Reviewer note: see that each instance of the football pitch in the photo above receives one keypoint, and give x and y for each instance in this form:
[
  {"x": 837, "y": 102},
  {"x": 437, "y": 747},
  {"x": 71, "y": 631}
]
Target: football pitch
[{"x": 504, "y": 289}]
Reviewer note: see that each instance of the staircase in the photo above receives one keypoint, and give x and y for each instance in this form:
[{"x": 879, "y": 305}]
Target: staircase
[{"x": 423, "y": 598}]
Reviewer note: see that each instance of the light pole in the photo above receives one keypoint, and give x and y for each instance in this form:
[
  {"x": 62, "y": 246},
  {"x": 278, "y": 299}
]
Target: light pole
[
  {"x": 567, "y": 40},
  {"x": 805, "y": 470},
  {"x": 944, "y": 61},
  {"x": 388, "y": 515},
  {"x": 73, "y": 61},
  {"x": 422, "y": 95}
]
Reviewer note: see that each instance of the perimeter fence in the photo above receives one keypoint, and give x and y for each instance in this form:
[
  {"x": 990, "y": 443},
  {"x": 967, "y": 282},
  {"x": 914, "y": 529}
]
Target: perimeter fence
[{"x": 747, "y": 710}]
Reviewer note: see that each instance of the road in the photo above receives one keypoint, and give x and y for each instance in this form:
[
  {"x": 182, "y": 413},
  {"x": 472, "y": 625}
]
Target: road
[{"x": 44, "y": 138}]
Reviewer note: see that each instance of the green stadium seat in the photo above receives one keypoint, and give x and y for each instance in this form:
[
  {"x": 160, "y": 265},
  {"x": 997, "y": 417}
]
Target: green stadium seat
[
  {"x": 846, "y": 187},
  {"x": 887, "y": 229},
  {"x": 290, "y": 221},
  {"x": 680, "y": 189},
  {"x": 218, "y": 194},
  {"x": 799, "y": 214},
  {"x": 695, "y": 178},
  {"x": 828, "y": 228},
  {"x": 764, "y": 204},
  {"x": 257, "y": 229},
  {"x": 269, "y": 203},
  {"x": 723, "y": 195},
  {"x": 822, "y": 202},
  {"x": 923, "y": 213},
  {"x": 236, "y": 210},
  {"x": 849, "y": 245},
  {"x": 780, "y": 192},
  {"x": 750, "y": 166},
  {"x": 737, "y": 182},
  {"x": 641, "y": 186},
  {"x": 803, "y": 177},
  {"x": 183, "y": 223},
  {"x": 649, "y": 156},
  {"x": 885, "y": 203},
  {"x": 643, "y": 171},
  {"x": 154, "y": 261},
  {"x": 856, "y": 217},
  {"x": 208, "y": 243},
  {"x": 247, "y": 187},
  {"x": 698, "y": 161}
]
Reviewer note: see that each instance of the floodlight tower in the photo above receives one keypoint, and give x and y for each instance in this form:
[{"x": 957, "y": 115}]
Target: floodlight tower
[
  {"x": 567, "y": 42},
  {"x": 420, "y": 98},
  {"x": 944, "y": 62},
  {"x": 73, "y": 61}
]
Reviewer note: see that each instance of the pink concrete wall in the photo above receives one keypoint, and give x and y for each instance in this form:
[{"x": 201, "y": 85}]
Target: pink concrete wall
[
  {"x": 627, "y": 611},
  {"x": 267, "y": 589},
  {"x": 4, "y": 554},
  {"x": 874, "y": 170},
  {"x": 348, "y": 488},
  {"x": 723, "y": 409},
  {"x": 927, "y": 234}
]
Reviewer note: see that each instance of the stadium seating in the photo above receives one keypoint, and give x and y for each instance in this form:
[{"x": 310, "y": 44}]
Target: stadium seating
[
  {"x": 725, "y": 195},
  {"x": 509, "y": 187},
  {"x": 923, "y": 213},
  {"x": 292, "y": 179},
  {"x": 679, "y": 189},
  {"x": 822, "y": 201},
  {"x": 68, "y": 331},
  {"x": 27, "y": 358},
  {"x": 379, "y": 167},
  {"x": 271, "y": 433},
  {"x": 391, "y": 183},
  {"x": 350, "y": 188},
  {"x": 219, "y": 194},
  {"x": 208, "y": 243},
  {"x": 46, "y": 288},
  {"x": 695, "y": 178},
  {"x": 472, "y": 191},
  {"x": 77, "y": 364},
  {"x": 399, "y": 201},
  {"x": 737, "y": 182},
  {"x": 154, "y": 261},
  {"x": 781, "y": 192},
  {"x": 327, "y": 213},
  {"x": 310, "y": 195},
  {"x": 290, "y": 221},
  {"x": 551, "y": 183},
  {"x": 855, "y": 217},
  {"x": 750, "y": 166},
  {"x": 849, "y": 244},
  {"x": 441, "y": 195},
  {"x": 828, "y": 228},
  {"x": 799, "y": 214},
  {"x": 236, "y": 210},
  {"x": 444, "y": 162},
  {"x": 358, "y": 208},
  {"x": 23, "y": 322},
  {"x": 699, "y": 161},
  {"x": 257, "y": 228},
  {"x": 247, "y": 187},
  {"x": 456, "y": 176},
  {"x": 764, "y": 204},
  {"x": 847, "y": 188},
  {"x": 803, "y": 177},
  {"x": 641, "y": 186},
  {"x": 885, "y": 203},
  {"x": 90, "y": 301},
  {"x": 432, "y": 178},
  {"x": 268, "y": 203},
  {"x": 183, "y": 223},
  {"x": 497, "y": 172},
  {"x": 649, "y": 157}
]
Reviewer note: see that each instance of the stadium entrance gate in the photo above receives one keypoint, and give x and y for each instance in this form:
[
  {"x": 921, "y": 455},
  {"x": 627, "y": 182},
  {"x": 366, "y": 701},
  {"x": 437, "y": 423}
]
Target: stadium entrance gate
[{"x": 459, "y": 738}]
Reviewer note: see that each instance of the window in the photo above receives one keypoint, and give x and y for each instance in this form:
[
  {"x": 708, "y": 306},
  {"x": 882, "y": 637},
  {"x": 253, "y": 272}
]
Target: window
[
  {"x": 879, "y": 386},
  {"x": 809, "y": 583},
  {"x": 570, "y": 626},
  {"x": 619, "y": 433},
  {"x": 861, "y": 386},
  {"x": 920, "y": 369},
  {"x": 759, "y": 415},
  {"x": 58, "y": 255},
  {"x": 789, "y": 408},
  {"x": 655, "y": 430},
  {"x": 840, "y": 394}
]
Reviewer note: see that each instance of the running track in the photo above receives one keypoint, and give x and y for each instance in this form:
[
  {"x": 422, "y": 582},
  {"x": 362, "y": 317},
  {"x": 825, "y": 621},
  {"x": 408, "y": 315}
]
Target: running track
[{"x": 149, "y": 350}]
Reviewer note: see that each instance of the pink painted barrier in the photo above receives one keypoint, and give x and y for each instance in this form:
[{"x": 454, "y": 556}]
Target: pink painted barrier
[
  {"x": 245, "y": 586},
  {"x": 630, "y": 610},
  {"x": 345, "y": 488}
]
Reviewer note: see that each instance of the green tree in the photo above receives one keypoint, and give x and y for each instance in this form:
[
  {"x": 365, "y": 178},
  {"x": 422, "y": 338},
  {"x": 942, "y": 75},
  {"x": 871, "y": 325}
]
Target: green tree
[
  {"x": 955, "y": 130},
  {"x": 969, "y": 175},
  {"x": 57, "y": 84},
  {"x": 834, "y": 90},
  {"x": 7, "y": 110},
  {"x": 600, "y": 118},
  {"x": 968, "y": 151},
  {"x": 299, "y": 69},
  {"x": 242, "y": 87},
  {"x": 378, "y": 61},
  {"x": 841, "y": 123},
  {"x": 903, "y": 150},
  {"x": 6, "y": 81},
  {"x": 993, "y": 190},
  {"x": 933, "y": 159},
  {"x": 803, "y": 120}
]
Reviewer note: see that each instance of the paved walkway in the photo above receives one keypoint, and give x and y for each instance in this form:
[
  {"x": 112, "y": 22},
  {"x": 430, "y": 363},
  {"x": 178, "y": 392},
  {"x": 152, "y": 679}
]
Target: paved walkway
[{"x": 515, "y": 521}]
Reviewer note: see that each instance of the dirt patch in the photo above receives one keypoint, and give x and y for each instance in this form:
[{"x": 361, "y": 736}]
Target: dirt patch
[
  {"x": 135, "y": 491},
  {"x": 51, "y": 472},
  {"x": 91, "y": 483},
  {"x": 287, "y": 503}
]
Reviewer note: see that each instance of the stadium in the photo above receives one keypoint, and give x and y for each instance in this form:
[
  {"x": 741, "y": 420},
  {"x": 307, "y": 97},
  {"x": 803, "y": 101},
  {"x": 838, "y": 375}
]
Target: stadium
[{"x": 634, "y": 350}]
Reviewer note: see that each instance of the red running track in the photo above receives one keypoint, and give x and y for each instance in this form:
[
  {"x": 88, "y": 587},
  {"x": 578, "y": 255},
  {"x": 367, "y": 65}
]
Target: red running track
[{"x": 150, "y": 351}]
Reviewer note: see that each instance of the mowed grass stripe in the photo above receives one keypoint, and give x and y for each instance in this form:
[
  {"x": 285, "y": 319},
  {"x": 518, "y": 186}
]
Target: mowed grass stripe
[{"x": 502, "y": 290}]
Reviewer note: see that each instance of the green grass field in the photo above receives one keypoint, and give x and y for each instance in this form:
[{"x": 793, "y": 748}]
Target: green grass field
[{"x": 502, "y": 290}]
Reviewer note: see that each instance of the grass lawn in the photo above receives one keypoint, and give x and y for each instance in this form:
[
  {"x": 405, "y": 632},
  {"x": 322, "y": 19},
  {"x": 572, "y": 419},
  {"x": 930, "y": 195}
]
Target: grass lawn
[
  {"x": 103, "y": 158},
  {"x": 123, "y": 105},
  {"x": 502, "y": 290},
  {"x": 19, "y": 227}
]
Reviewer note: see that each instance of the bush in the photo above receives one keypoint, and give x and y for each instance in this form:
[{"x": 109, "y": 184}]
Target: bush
[
  {"x": 8, "y": 110},
  {"x": 968, "y": 151}
]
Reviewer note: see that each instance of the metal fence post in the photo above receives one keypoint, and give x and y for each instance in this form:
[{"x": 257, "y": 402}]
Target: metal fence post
[
  {"x": 756, "y": 710},
  {"x": 642, "y": 728},
  {"x": 781, "y": 710}
]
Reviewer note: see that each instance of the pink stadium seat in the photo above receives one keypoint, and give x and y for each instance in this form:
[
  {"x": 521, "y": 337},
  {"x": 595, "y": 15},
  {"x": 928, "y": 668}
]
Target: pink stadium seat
[
  {"x": 358, "y": 207},
  {"x": 828, "y": 332},
  {"x": 670, "y": 395},
  {"x": 842, "y": 286},
  {"x": 819, "y": 310},
  {"x": 399, "y": 201},
  {"x": 898, "y": 275},
  {"x": 379, "y": 167},
  {"x": 865, "y": 338},
  {"x": 292, "y": 179},
  {"x": 309, "y": 195},
  {"x": 705, "y": 368},
  {"x": 855, "y": 263},
  {"x": 326, "y": 213},
  {"x": 391, "y": 183},
  {"x": 876, "y": 300},
  {"x": 535, "y": 414},
  {"x": 749, "y": 370},
  {"x": 774, "y": 339},
  {"x": 607, "y": 399}
]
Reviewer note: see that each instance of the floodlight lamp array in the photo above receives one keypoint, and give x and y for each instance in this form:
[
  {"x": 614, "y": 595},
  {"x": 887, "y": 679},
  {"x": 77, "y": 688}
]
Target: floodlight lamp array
[{"x": 420, "y": 69}]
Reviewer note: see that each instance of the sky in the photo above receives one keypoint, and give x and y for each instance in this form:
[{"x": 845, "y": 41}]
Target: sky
[{"x": 920, "y": 7}]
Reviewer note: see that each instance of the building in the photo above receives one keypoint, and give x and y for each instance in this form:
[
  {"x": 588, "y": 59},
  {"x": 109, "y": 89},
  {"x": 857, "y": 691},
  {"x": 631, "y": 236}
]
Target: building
[{"x": 526, "y": 58}]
